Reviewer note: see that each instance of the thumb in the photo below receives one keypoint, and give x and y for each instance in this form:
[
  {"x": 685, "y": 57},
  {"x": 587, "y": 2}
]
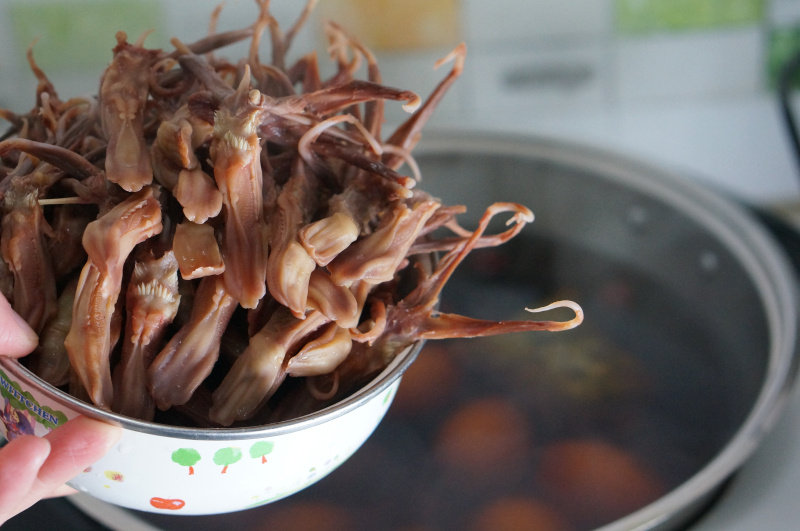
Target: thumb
[{"x": 16, "y": 337}]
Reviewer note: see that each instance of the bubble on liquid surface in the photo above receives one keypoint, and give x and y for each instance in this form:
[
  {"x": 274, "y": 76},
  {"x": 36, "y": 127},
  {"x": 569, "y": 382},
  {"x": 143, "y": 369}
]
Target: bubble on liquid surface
[
  {"x": 637, "y": 216},
  {"x": 709, "y": 262}
]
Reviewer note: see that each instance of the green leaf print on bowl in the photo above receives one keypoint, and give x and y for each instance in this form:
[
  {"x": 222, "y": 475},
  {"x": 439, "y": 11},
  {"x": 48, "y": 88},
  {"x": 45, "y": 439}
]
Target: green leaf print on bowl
[
  {"x": 186, "y": 457},
  {"x": 261, "y": 449},
  {"x": 226, "y": 457}
]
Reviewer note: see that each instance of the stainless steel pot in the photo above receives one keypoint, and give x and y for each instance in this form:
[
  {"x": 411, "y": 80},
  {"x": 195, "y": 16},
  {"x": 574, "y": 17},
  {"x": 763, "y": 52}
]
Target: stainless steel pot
[{"x": 710, "y": 252}]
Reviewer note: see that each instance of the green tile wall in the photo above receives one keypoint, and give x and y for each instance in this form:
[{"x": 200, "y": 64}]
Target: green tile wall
[
  {"x": 65, "y": 32},
  {"x": 643, "y": 16}
]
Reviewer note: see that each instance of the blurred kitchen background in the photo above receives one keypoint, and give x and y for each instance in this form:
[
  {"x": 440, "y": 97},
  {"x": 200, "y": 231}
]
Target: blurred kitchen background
[{"x": 684, "y": 83}]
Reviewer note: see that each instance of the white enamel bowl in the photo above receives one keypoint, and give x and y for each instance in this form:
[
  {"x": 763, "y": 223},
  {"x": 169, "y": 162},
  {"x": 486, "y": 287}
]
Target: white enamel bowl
[{"x": 179, "y": 470}]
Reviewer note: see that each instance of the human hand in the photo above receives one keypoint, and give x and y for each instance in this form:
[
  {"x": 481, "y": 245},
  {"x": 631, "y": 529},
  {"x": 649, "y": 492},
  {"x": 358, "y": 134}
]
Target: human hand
[{"x": 32, "y": 468}]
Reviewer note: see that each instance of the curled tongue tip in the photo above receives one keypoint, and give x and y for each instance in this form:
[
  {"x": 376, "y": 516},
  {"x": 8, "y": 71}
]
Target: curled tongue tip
[
  {"x": 562, "y": 325},
  {"x": 414, "y": 102}
]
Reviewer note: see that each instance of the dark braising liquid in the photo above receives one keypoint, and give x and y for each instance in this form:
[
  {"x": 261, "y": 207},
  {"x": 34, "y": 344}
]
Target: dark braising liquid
[{"x": 572, "y": 429}]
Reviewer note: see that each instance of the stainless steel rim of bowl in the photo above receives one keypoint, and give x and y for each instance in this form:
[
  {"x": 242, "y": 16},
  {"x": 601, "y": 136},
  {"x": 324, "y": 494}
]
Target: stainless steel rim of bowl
[
  {"x": 380, "y": 383},
  {"x": 748, "y": 241}
]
